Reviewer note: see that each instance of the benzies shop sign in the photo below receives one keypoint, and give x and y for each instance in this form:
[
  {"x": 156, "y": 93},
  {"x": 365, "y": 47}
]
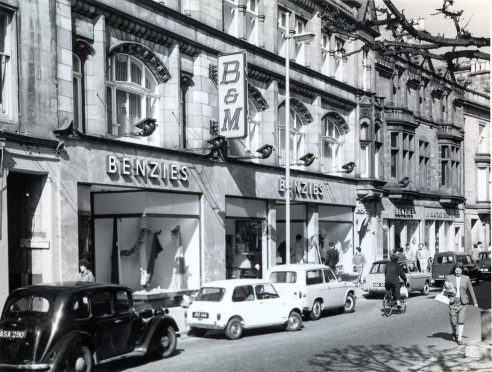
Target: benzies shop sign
[
  {"x": 232, "y": 95},
  {"x": 146, "y": 168}
]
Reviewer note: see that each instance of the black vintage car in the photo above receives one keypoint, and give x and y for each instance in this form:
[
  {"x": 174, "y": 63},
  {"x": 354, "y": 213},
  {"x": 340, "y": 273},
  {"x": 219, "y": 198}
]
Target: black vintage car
[{"x": 73, "y": 325}]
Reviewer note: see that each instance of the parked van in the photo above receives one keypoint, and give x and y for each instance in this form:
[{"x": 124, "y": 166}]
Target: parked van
[{"x": 444, "y": 263}]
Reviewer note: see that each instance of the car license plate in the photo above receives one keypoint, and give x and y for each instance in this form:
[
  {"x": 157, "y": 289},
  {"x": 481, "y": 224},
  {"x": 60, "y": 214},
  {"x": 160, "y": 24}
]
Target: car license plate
[
  {"x": 200, "y": 315},
  {"x": 12, "y": 335},
  {"x": 377, "y": 284}
]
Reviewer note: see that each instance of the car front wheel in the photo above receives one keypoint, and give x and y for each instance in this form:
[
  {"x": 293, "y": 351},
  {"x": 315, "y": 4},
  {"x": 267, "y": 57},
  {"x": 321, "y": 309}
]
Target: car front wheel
[
  {"x": 294, "y": 322},
  {"x": 234, "y": 329},
  {"x": 316, "y": 310},
  {"x": 166, "y": 341},
  {"x": 349, "y": 306},
  {"x": 78, "y": 359},
  {"x": 425, "y": 290}
]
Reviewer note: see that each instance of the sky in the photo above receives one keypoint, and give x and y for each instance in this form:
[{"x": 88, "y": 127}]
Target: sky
[{"x": 476, "y": 10}]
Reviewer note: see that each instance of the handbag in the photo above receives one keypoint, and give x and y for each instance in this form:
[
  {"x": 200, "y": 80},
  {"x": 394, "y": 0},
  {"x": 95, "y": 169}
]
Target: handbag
[
  {"x": 441, "y": 297},
  {"x": 403, "y": 291}
]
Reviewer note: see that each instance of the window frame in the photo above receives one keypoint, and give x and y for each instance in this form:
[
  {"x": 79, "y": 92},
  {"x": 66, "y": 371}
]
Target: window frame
[
  {"x": 130, "y": 87},
  {"x": 335, "y": 162},
  {"x": 6, "y": 64},
  {"x": 297, "y": 136}
]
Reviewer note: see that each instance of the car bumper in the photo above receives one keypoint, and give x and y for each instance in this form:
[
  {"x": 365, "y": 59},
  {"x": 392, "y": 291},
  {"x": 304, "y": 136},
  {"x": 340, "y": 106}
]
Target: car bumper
[
  {"x": 25, "y": 367},
  {"x": 202, "y": 325}
]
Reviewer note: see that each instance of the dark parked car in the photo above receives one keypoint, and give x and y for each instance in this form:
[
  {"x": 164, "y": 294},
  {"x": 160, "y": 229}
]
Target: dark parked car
[
  {"x": 484, "y": 263},
  {"x": 72, "y": 326},
  {"x": 444, "y": 263}
]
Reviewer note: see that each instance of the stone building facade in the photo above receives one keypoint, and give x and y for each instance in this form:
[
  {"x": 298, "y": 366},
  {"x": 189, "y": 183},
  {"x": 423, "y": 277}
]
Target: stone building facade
[{"x": 106, "y": 147}]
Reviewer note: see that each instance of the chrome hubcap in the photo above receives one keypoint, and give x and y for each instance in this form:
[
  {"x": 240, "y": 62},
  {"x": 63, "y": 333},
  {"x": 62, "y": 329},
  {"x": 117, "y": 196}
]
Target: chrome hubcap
[
  {"x": 235, "y": 329},
  {"x": 317, "y": 308},
  {"x": 80, "y": 364},
  {"x": 348, "y": 304},
  {"x": 293, "y": 322},
  {"x": 165, "y": 341}
]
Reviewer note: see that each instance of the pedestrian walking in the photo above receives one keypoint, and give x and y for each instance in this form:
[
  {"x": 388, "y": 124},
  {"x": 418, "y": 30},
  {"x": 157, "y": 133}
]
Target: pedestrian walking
[
  {"x": 475, "y": 253},
  {"x": 85, "y": 274},
  {"x": 423, "y": 257},
  {"x": 332, "y": 256},
  {"x": 457, "y": 286},
  {"x": 400, "y": 256},
  {"x": 409, "y": 253},
  {"x": 358, "y": 262}
]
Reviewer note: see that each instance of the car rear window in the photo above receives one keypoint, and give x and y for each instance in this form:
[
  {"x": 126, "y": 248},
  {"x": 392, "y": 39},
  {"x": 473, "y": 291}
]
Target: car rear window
[
  {"x": 283, "y": 277},
  {"x": 485, "y": 255},
  {"x": 210, "y": 294},
  {"x": 445, "y": 259},
  {"x": 30, "y": 304},
  {"x": 377, "y": 268}
]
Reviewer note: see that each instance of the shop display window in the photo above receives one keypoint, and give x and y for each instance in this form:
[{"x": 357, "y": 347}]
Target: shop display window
[
  {"x": 154, "y": 250},
  {"x": 244, "y": 243}
]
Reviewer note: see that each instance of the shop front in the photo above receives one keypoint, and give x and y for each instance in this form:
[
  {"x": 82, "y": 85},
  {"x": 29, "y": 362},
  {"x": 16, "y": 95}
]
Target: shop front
[
  {"x": 444, "y": 229},
  {"x": 401, "y": 226}
]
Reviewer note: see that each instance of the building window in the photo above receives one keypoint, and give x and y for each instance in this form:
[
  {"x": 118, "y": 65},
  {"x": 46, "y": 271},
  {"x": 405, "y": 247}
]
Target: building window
[
  {"x": 134, "y": 93},
  {"x": 395, "y": 151},
  {"x": 231, "y": 17},
  {"x": 402, "y": 152},
  {"x": 483, "y": 139},
  {"x": 483, "y": 184},
  {"x": 325, "y": 53},
  {"x": 331, "y": 145},
  {"x": 339, "y": 51},
  {"x": 297, "y": 136},
  {"x": 445, "y": 165},
  {"x": 424, "y": 158},
  {"x": 282, "y": 29},
  {"x": 300, "y": 47},
  {"x": 378, "y": 145},
  {"x": 78, "y": 89},
  {"x": 5, "y": 64},
  {"x": 455, "y": 168},
  {"x": 252, "y": 21},
  {"x": 365, "y": 146},
  {"x": 250, "y": 144}
]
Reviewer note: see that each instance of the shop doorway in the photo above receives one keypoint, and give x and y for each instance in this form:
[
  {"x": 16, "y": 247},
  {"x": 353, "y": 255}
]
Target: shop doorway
[
  {"x": 23, "y": 199},
  {"x": 298, "y": 218}
]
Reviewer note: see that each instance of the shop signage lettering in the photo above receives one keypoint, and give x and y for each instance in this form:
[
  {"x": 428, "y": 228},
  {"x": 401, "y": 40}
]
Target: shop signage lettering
[
  {"x": 146, "y": 168},
  {"x": 404, "y": 212},
  {"x": 439, "y": 215},
  {"x": 232, "y": 94},
  {"x": 302, "y": 188}
]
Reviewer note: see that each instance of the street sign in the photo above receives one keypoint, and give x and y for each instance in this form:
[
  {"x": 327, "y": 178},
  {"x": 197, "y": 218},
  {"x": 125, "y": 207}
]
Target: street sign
[
  {"x": 233, "y": 97},
  {"x": 34, "y": 243}
]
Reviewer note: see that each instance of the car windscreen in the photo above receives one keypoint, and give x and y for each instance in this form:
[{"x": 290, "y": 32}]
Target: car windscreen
[
  {"x": 485, "y": 256},
  {"x": 445, "y": 259},
  {"x": 33, "y": 304},
  {"x": 210, "y": 294},
  {"x": 283, "y": 277}
]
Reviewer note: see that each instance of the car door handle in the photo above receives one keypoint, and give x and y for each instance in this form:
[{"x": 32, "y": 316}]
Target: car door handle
[{"x": 118, "y": 321}]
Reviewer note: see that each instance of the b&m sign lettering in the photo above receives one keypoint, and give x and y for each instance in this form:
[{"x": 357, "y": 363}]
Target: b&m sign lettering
[{"x": 233, "y": 96}]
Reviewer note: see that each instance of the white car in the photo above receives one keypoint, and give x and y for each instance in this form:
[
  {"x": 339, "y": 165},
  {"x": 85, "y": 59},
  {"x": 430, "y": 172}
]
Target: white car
[
  {"x": 232, "y": 305},
  {"x": 315, "y": 285}
]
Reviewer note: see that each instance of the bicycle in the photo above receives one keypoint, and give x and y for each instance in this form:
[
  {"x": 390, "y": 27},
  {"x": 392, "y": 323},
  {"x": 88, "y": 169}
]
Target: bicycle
[{"x": 389, "y": 303}]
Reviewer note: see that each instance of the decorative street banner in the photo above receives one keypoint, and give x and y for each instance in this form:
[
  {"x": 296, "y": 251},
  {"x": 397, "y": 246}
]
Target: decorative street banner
[{"x": 233, "y": 96}]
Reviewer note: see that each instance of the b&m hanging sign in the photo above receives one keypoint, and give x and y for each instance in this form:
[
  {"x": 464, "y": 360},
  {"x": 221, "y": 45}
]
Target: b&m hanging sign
[{"x": 233, "y": 94}]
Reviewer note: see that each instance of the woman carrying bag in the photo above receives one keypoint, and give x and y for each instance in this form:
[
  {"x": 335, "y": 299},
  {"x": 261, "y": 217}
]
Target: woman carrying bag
[{"x": 457, "y": 286}]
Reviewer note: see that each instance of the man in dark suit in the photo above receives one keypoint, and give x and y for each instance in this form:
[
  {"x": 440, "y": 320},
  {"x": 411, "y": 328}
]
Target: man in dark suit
[{"x": 457, "y": 286}]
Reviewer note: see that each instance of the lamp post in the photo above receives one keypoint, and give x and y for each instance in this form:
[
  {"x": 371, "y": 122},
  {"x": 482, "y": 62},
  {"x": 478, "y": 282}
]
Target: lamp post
[{"x": 298, "y": 38}]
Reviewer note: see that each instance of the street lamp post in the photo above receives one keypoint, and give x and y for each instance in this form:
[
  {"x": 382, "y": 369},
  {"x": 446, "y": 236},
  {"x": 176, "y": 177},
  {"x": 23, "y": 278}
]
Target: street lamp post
[{"x": 297, "y": 37}]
